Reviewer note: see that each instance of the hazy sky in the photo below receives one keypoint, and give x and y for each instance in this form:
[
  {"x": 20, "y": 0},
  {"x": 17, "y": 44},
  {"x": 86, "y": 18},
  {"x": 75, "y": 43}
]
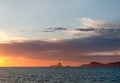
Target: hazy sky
[
  {"x": 69, "y": 31},
  {"x": 26, "y": 18}
]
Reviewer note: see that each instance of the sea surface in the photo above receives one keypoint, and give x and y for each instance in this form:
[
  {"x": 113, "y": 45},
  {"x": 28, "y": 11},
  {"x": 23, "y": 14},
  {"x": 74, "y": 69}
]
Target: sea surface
[{"x": 60, "y": 75}]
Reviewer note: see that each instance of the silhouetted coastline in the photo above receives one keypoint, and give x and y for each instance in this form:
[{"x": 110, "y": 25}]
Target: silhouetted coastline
[
  {"x": 91, "y": 64},
  {"x": 97, "y": 64}
]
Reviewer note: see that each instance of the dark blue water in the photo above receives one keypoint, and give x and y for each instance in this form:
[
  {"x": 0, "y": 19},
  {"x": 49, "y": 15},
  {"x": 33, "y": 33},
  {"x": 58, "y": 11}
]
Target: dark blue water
[{"x": 60, "y": 75}]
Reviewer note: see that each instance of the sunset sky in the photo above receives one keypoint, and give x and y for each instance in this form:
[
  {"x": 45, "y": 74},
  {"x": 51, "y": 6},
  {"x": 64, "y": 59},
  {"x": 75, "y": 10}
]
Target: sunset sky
[{"x": 46, "y": 32}]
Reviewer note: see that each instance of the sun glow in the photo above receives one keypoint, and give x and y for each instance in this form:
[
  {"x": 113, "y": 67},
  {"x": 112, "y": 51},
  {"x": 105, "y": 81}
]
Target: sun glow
[{"x": 2, "y": 62}]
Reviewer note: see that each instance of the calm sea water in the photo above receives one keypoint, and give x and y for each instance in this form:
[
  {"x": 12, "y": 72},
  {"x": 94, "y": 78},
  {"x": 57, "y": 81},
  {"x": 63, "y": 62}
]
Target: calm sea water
[{"x": 60, "y": 75}]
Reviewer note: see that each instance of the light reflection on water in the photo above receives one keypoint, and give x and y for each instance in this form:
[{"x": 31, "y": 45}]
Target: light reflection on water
[{"x": 60, "y": 75}]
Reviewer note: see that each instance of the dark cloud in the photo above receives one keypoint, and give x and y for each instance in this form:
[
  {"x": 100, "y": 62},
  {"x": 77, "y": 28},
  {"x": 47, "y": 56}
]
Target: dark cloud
[
  {"x": 111, "y": 33},
  {"x": 53, "y": 29},
  {"x": 66, "y": 50},
  {"x": 85, "y": 29},
  {"x": 101, "y": 32}
]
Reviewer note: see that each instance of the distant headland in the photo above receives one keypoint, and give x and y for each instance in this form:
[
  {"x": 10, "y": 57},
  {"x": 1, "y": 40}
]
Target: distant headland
[{"x": 97, "y": 64}]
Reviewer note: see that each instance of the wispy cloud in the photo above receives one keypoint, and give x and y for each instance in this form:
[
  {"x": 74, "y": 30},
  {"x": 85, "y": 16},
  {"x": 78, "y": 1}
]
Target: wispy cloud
[
  {"x": 4, "y": 37},
  {"x": 98, "y": 28},
  {"x": 53, "y": 29},
  {"x": 88, "y": 22}
]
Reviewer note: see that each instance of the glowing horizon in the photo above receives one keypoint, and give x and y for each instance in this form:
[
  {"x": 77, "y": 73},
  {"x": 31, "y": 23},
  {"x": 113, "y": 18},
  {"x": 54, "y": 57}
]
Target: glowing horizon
[{"x": 23, "y": 62}]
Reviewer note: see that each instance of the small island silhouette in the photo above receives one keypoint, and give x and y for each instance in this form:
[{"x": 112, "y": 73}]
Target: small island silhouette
[
  {"x": 59, "y": 65},
  {"x": 98, "y": 64}
]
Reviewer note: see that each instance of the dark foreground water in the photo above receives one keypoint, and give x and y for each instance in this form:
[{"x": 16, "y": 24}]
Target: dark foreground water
[{"x": 60, "y": 75}]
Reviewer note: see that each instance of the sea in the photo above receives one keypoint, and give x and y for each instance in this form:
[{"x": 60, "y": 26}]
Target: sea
[{"x": 60, "y": 75}]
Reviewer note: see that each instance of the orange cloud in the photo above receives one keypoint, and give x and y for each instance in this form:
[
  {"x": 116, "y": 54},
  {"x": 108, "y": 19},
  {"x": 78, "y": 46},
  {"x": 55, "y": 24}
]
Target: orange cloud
[{"x": 72, "y": 51}]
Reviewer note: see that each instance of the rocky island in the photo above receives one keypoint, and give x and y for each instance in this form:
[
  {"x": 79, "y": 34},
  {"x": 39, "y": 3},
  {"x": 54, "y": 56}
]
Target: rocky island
[{"x": 97, "y": 64}]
